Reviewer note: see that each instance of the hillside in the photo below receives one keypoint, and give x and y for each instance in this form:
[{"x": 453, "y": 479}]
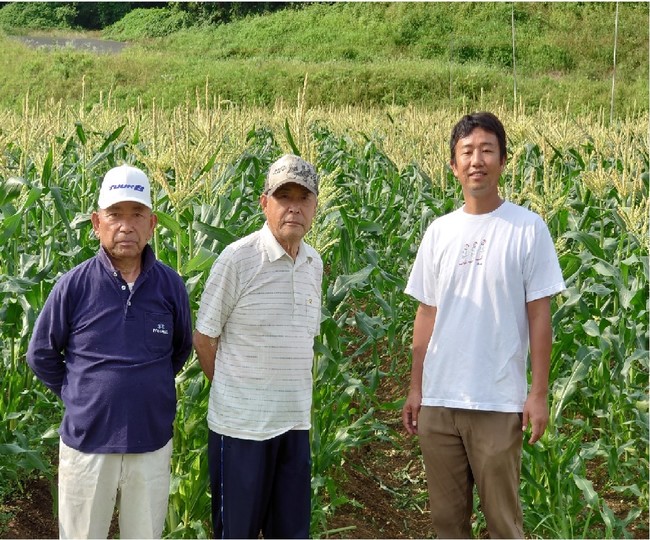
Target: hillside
[{"x": 372, "y": 54}]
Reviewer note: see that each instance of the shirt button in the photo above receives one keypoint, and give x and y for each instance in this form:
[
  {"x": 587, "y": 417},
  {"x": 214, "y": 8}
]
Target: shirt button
[
  {"x": 115, "y": 274},
  {"x": 128, "y": 303},
  {"x": 123, "y": 287}
]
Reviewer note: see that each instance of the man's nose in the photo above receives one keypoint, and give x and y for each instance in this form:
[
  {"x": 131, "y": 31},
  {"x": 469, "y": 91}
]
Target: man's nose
[{"x": 126, "y": 224}]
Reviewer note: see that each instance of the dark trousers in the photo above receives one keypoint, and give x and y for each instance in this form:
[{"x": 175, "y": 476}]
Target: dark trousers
[{"x": 260, "y": 486}]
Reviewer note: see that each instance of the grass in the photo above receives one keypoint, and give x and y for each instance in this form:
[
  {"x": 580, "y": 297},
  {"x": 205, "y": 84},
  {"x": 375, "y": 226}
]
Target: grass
[{"x": 453, "y": 55}]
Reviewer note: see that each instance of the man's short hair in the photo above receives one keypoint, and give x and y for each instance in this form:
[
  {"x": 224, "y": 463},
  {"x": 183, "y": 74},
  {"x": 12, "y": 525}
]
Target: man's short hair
[{"x": 484, "y": 120}]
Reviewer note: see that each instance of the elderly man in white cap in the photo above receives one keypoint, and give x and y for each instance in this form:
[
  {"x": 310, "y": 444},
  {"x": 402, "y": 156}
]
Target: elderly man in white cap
[
  {"x": 110, "y": 339},
  {"x": 254, "y": 337}
]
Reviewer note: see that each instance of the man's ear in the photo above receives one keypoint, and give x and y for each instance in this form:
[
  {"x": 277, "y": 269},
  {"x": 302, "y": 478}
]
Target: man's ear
[
  {"x": 94, "y": 219},
  {"x": 452, "y": 164}
]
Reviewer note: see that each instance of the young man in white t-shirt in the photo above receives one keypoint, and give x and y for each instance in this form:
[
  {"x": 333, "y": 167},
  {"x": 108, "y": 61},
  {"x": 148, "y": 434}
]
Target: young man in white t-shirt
[{"x": 484, "y": 276}]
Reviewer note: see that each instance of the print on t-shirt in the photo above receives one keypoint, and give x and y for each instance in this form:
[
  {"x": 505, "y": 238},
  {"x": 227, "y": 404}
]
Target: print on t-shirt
[{"x": 474, "y": 253}]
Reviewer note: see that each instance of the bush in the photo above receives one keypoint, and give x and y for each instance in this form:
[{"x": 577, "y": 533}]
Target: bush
[
  {"x": 547, "y": 57},
  {"x": 148, "y": 23},
  {"x": 37, "y": 16}
]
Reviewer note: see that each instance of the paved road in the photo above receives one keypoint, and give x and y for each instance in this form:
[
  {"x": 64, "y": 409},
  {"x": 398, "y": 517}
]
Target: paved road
[{"x": 94, "y": 45}]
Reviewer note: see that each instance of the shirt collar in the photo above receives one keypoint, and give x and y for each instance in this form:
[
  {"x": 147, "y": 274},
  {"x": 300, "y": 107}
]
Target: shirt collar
[
  {"x": 275, "y": 251},
  {"x": 148, "y": 259}
]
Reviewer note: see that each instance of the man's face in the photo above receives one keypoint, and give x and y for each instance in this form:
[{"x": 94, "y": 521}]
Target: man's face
[
  {"x": 289, "y": 212},
  {"x": 478, "y": 164},
  {"x": 124, "y": 229}
]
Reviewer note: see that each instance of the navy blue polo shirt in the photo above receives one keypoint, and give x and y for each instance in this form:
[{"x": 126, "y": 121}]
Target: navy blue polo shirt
[{"x": 112, "y": 353}]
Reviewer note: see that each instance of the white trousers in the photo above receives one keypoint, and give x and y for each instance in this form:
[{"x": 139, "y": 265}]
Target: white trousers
[{"x": 89, "y": 486}]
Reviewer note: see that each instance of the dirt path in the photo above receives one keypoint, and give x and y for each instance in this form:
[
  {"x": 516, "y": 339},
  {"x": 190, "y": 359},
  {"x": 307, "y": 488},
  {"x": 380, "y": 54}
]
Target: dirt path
[{"x": 100, "y": 46}]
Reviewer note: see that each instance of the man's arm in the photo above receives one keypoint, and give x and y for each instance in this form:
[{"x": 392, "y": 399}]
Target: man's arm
[
  {"x": 49, "y": 339},
  {"x": 540, "y": 332},
  {"x": 182, "y": 332},
  {"x": 425, "y": 319},
  {"x": 206, "y": 351}
]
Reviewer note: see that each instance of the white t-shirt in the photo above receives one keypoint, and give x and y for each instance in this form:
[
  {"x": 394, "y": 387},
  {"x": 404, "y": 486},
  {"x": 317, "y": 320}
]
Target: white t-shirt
[
  {"x": 266, "y": 310},
  {"x": 479, "y": 271}
]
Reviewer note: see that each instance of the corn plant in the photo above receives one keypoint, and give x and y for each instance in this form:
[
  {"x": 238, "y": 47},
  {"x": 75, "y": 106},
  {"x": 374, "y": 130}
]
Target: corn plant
[{"x": 384, "y": 179}]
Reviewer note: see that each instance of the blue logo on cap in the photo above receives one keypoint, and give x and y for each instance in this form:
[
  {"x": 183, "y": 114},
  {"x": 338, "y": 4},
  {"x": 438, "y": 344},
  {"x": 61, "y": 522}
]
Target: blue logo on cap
[{"x": 135, "y": 187}]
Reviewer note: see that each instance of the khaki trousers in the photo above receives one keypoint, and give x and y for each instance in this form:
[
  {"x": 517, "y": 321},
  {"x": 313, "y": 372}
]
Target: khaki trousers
[
  {"x": 464, "y": 447},
  {"x": 88, "y": 488}
]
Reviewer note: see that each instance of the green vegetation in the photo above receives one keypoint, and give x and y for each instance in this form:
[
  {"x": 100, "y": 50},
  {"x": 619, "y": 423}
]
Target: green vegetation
[
  {"x": 205, "y": 96},
  {"x": 428, "y": 54},
  {"x": 36, "y": 16},
  {"x": 381, "y": 187}
]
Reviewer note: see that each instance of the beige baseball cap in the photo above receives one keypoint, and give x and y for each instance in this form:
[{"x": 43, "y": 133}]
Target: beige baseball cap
[
  {"x": 124, "y": 183},
  {"x": 290, "y": 168}
]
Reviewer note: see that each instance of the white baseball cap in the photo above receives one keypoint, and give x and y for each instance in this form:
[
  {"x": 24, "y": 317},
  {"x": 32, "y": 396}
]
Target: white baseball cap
[{"x": 124, "y": 183}]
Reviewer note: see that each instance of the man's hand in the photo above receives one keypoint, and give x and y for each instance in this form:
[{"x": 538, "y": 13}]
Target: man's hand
[
  {"x": 425, "y": 319},
  {"x": 410, "y": 412},
  {"x": 206, "y": 350},
  {"x": 535, "y": 413},
  {"x": 539, "y": 330}
]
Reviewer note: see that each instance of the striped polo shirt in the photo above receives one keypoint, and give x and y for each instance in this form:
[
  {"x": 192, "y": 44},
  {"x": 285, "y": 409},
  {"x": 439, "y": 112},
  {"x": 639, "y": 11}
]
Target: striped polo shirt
[{"x": 265, "y": 308}]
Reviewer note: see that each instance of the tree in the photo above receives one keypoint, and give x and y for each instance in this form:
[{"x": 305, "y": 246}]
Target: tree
[
  {"x": 206, "y": 13},
  {"x": 98, "y": 15}
]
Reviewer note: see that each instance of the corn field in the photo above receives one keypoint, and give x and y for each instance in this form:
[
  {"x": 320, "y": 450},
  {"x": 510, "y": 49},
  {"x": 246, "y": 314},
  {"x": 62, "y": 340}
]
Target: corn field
[{"x": 384, "y": 178}]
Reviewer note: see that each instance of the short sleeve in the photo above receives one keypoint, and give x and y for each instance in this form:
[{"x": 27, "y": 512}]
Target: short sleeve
[
  {"x": 542, "y": 272},
  {"x": 219, "y": 296},
  {"x": 421, "y": 283}
]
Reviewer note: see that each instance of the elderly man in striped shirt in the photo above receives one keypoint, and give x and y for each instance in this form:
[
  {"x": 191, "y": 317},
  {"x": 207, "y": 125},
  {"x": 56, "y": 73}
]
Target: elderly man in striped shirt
[{"x": 255, "y": 330}]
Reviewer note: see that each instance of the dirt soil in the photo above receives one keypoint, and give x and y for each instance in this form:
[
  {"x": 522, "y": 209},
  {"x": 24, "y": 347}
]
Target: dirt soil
[
  {"x": 32, "y": 512},
  {"x": 382, "y": 506},
  {"x": 374, "y": 514},
  {"x": 385, "y": 483}
]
